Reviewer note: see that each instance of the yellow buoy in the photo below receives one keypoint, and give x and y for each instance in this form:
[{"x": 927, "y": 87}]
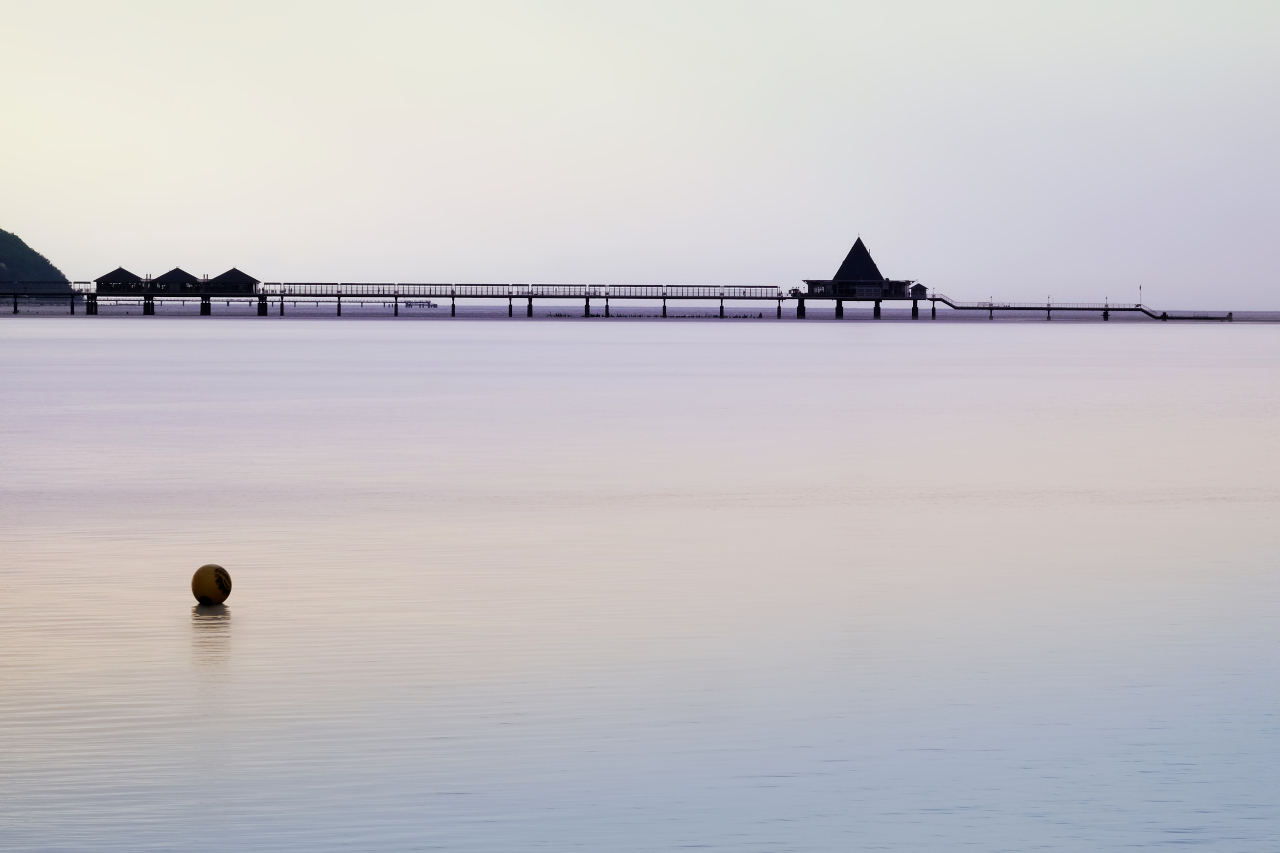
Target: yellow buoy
[{"x": 211, "y": 584}]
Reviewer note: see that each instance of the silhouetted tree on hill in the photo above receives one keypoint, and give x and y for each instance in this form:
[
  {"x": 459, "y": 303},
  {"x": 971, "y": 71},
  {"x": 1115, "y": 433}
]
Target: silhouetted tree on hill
[{"x": 20, "y": 262}]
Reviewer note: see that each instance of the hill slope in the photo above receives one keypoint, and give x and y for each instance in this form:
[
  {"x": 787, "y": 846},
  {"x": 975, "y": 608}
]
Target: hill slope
[{"x": 20, "y": 262}]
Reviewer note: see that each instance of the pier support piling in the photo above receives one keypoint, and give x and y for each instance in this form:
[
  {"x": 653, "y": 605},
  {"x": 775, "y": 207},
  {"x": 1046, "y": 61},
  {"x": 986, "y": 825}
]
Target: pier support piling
[
  {"x": 262, "y": 306},
  {"x": 281, "y": 304},
  {"x": 453, "y": 306},
  {"x": 915, "y": 309},
  {"x": 91, "y": 304},
  {"x": 839, "y": 309},
  {"x": 664, "y": 306},
  {"x": 1048, "y": 313},
  {"x": 779, "y": 309},
  {"x": 1106, "y": 315},
  {"x": 206, "y": 307},
  {"x": 15, "y": 303},
  {"x": 72, "y": 302},
  {"x": 876, "y": 311},
  {"x": 799, "y": 307},
  {"x": 722, "y": 309},
  {"x": 339, "y": 304},
  {"x": 510, "y": 307},
  {"x": 586, "y": 307},
  {"x": 528, "y": 312},
  {"x": 933, "y": 309},
  {"x": 606, "y": 306},
  {"x": 148, "y": 306}
]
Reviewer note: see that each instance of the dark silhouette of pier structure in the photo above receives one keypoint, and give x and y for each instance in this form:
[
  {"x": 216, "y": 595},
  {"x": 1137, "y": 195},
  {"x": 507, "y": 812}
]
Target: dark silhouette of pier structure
[{"x": 857, "y": 280}]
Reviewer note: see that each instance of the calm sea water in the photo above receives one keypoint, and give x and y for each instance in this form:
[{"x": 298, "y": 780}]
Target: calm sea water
[{"x": 639, "y": 586}]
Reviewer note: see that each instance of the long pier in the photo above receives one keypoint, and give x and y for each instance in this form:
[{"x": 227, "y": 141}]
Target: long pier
[{"x": 272, "y": 297}]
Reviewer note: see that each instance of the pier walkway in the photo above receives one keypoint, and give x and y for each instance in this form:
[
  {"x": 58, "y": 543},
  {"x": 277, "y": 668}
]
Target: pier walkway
[
  {"x": 273, "y": 297},
  {"x": 1105, "y": 308}
]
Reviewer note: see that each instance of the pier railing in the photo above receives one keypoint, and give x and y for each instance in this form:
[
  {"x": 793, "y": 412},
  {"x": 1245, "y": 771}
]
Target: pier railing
[
  {"x": 513, "y": 290},
  {"x": 1037, "y": 306},
  {"x": 1105, "y": 307}
]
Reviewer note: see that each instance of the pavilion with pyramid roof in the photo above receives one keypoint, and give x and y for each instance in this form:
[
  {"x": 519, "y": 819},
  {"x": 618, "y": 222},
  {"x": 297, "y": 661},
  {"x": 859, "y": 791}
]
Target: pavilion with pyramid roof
[{"x": 860, "y": 279}]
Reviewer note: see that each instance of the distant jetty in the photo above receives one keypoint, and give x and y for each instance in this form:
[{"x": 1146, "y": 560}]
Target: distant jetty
[{"x": 858, "y": 280}]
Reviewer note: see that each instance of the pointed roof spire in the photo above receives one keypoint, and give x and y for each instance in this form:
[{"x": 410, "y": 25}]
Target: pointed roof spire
[{"x": 858, "y": 265}]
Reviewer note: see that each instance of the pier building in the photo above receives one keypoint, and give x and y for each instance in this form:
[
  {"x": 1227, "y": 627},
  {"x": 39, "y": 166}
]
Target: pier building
[
  {"x": 119, "y": 280},
  {"x": 232, "y": 281},
  {"x": 176, "y": 280},
  {"x": 860, "y": 279}
]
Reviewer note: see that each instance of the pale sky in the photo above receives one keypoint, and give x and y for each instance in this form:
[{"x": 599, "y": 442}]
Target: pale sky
[{"x": 1015, "y": 150}]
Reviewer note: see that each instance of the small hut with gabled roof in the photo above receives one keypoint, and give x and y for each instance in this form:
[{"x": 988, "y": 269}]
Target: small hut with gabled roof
[
  {"x": 231, "y": 281},
  {"x": 176, "y": 280},
  {"x": 120, "y": 280},
  {"x": 119, "y": 275}
]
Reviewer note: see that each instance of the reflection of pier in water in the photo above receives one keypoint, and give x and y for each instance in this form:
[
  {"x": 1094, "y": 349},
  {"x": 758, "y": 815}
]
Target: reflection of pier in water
[{"x": 211, "y": 634}]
